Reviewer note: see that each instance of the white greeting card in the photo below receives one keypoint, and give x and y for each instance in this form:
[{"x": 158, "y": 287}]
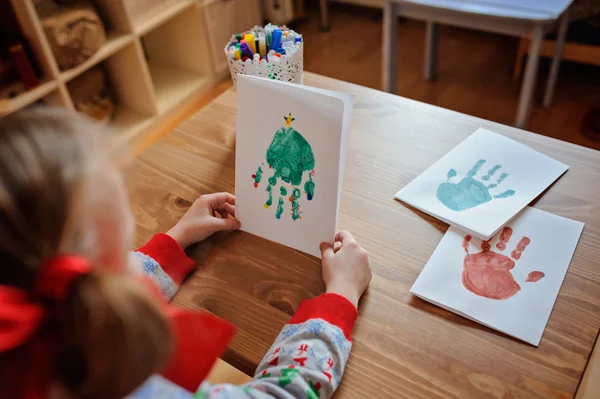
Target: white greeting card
[
  {"x": 482, "y": 183},
  {"x": 508, "y": 283},
  {"x": 291, "y": 146}
]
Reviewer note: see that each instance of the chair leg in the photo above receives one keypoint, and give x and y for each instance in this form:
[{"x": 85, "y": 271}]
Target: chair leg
[
  {"x": 558, "y": 51},
  {"x": 431, "y": 50},
  {"x": 530, "y": 76},
  {"x": 520, "y": 57},
  {"x": 324, "y": 15},
  {"x": 390, "y": 47}
]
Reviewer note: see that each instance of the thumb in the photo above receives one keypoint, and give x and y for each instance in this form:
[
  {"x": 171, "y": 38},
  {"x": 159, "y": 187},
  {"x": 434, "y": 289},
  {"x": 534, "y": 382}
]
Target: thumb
[
  {"x": 226, "y": 224},
  {"x": 326, "y": 250}
]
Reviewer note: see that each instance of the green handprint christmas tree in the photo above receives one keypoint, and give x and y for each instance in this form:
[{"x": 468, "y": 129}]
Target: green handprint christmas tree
[
  {"x": 289, "y": 155},
  {"x": 469, "y": 192}
]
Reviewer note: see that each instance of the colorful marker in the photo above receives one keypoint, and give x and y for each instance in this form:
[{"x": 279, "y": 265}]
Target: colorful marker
[
  {"x": 276, "y": 39},
  {"x": 269, "y": 45},
  {"x": 249, "y": 38},
  {"x": 246, "y": 51},
  {"x": 262, "y": 44}
]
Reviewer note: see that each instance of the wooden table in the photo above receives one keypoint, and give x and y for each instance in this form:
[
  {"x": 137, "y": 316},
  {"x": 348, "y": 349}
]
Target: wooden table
[{"x": 403, "y": 346}]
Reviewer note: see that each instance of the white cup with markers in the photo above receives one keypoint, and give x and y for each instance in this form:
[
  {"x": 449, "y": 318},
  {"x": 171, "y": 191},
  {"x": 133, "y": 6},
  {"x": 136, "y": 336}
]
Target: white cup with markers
[{"x": 272, "y": 52}]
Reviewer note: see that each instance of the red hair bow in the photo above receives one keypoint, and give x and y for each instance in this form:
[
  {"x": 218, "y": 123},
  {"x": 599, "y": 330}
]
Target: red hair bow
[
  {"x": 200, "y": 338},
  {"x": 22, "y": 314}
]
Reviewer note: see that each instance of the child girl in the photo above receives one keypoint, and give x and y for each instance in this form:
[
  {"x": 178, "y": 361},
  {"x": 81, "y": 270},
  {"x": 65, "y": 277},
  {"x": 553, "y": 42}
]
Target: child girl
[{"x": 82, "y": 317}]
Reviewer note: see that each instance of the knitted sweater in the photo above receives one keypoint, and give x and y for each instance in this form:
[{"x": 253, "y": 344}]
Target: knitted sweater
[{"x": 306, "y": 360}]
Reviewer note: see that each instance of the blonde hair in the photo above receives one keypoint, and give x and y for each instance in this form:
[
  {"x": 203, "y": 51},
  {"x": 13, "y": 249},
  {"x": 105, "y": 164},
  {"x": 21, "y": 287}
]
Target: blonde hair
[{"x": 112, "y": 332}]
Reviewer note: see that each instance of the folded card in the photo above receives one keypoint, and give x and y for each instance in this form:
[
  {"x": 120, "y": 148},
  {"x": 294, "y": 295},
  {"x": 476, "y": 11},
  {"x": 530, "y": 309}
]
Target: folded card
[
  {"x": 291, "y": 145},
  {"x": 508, "y": 283},
  {"x": 482, "y": 183}
]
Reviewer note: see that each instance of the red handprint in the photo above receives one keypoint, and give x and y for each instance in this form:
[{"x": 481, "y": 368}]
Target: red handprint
[{"x": 487, "y": 273}]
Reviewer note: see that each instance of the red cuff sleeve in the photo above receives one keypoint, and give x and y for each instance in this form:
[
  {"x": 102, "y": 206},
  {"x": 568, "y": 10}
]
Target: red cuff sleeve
[
  {"x": 333, "y": 308},
  {"x": 169, "y": 255}
]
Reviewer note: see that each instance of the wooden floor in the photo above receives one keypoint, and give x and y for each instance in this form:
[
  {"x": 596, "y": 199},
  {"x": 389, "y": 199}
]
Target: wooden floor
[{"x": 475, "y": 71}]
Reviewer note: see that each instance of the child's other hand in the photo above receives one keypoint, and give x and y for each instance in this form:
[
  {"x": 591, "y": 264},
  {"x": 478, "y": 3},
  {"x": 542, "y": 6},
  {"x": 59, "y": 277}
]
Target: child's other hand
[
  {"x": 346, "y": 268},
  {"x": 199, "y": 222}
]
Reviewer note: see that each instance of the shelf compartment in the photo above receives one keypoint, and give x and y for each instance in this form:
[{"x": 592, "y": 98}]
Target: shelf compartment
[
  {"x": 35, "y": 36},
  {"x": 178, "y": 59},
  {"x": 173, "y": 85},
  {"x": 114, "y": 42},
  {"x": 147, "y": 15},
  {"x": 128, "y": 80},
  {"x": 24, "y": 99},
  {"x": 114, "y": 15},
  {"x": 55, "y": 99}
]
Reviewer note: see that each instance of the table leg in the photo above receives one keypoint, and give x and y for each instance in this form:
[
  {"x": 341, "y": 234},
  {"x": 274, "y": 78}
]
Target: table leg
[
  {"x": 530, "y": 77},
  {"x": 390, "y": 47},
  {"x": 558, "y": 51},
  {"x": 324, "y": 15},
  {"x": 431, "y": 50}
]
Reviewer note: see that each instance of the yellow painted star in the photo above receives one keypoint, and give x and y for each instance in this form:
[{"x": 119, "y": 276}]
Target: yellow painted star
[{"x": 288, "y": 120}]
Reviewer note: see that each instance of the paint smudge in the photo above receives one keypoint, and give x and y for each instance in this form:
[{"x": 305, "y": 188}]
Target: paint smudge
[
  {"x": 504, "y": 237},
  {"x": 295, "y": 210},
  {"x": 485, "y": 246},
  {"x": 466, "y": 243},
  {"x": 270, "y": 199},
  {"x": 309, "y": 188},
  {"x": 257, "y": 176},
  {"x": 469, "y": 193},
  {"x": 535, "y": 276},
  {"x": 487, "y": 273},
  {"x": 295, "y": 205},
  {"x": 289, "y": 155},
  {"x": 279, "y": 208},
  {"x": 491, "y": 172},
  {"x": 524, "y": 242}
]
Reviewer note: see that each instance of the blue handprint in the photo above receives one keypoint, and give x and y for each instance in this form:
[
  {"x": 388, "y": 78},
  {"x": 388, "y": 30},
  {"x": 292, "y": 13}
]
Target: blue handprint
[{"x": 469, "y": 193}]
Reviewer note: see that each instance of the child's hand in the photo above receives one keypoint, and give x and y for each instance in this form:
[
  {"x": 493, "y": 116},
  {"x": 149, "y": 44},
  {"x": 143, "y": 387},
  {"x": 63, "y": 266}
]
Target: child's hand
[
  {"x": 346, "y": 268},
  {"x": 199, "y": 222}
]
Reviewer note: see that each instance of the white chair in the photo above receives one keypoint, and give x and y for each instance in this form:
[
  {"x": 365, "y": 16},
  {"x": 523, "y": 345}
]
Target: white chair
[{"x": 510, "y": 17}]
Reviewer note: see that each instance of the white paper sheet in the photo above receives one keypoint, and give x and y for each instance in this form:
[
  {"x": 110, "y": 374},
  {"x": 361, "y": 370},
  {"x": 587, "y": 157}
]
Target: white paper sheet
[
  {"x": 510, "y": 286},
  {"x": 317, "y": 135},
  {"x": 482, "y": 183}
]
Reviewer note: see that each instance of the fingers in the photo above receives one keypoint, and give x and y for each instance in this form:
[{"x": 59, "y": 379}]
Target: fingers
[
  {"x": 226, "y": 209},
  {"x": 344, "y": 237},
  {"x": 217, "y": 199},
  {"x": 337, "y": 246},
  {"x": 226, "y": 224},
  {"x": 326, "y": 250}
]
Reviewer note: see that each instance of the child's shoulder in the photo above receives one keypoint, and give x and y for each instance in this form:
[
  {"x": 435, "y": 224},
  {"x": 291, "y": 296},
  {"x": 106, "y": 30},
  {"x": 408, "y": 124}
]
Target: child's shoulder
[{"x": 157, "y": 387}]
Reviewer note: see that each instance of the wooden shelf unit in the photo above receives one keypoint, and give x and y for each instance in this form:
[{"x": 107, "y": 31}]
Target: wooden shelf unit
[{"x": 157, "y": 59}]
